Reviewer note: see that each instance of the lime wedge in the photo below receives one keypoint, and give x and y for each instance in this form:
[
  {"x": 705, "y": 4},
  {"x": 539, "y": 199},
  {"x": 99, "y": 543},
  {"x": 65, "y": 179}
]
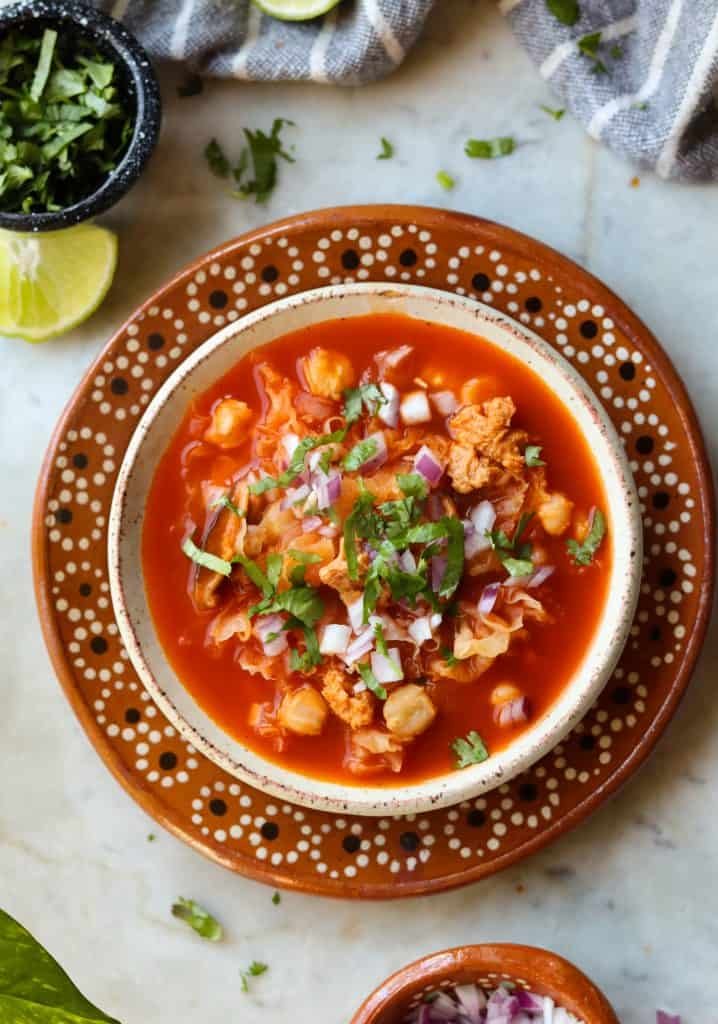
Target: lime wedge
[
  {"x": 50, "y": 282},
  {"x": 295, "y": 10}
]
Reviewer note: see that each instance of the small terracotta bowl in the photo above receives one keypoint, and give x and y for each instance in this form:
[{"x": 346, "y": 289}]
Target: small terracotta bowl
[{"x": 536, "y": 970}]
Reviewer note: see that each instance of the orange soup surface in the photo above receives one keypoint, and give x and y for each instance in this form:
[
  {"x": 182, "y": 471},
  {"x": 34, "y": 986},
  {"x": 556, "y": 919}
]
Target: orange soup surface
[{"x": 376, "y": 549}]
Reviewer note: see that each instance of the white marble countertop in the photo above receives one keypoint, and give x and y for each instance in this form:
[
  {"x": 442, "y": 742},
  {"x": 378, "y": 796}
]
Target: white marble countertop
[{"x": 630, "y": 896}]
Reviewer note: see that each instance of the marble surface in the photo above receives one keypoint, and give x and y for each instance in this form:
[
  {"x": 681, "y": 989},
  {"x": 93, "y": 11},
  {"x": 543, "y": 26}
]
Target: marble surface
[{"x": 630, "y": 896}]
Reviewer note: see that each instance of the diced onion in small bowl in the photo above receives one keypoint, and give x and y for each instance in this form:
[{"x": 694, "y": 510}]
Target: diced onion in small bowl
[
  {"x": 444, "y": 402},
  {"x": 414, "y": 408},
  {"x": 388, "y": 411},
  {"x": 387, "y": 669},
  {"x": 428, "y": 465},
  {"x": 335, "y": 639}
]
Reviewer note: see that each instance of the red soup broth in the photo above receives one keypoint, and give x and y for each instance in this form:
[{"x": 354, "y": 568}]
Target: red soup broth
[{"x": 544, "y": 664}]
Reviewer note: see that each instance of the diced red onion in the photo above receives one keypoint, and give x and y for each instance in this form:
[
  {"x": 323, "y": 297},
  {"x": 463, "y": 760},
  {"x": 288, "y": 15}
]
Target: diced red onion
[
  {"x": 528, "y": 1001},
  {"x": 361, "y": 646},
  {"x": 435, "y": 507},
  {"x": 396, "y": 355},
  {"x": 329, "y": 530},
  {"x": 420, "y": 630},
  {"x": 488, "y": 598},
  {"x": 311, "y": 523},
  {"x": 517, "y": 581},
  {"x": 468, "y": 1004},
  {"x": 444, "y": 402},
  {"x": 407, "y": 562},
  {"x": 327, "y": 489},
  {"x": 387, "y": 669},
  {"x": 428, "y": 465},
  {"x": 294, "y": 495},
  {"x": 414, "y": 408},
  {"x": 335, "y": 639},
  {"x": 438, "y": 569},
  {"x": 379, "y": 458},
  {"x": 541, "y": 575},
  {"x": 483, "y": 517},
  {"x": 512, "y": 712},
  {"x": 388, "y": 411},
  {"x": 355, "y": 611},
  {"x": 667, "y": 1018},
  {"x": 264, "y": 626},
  {"x": 290, "y": 443}
]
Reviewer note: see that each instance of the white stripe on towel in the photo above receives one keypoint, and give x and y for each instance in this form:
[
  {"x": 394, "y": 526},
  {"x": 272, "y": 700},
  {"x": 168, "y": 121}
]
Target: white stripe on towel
[
  {"x": 254, "y": 22},
  {"x": 505, "y": 6},
  {"x": 613, "y": 31},
  {"x": 179, "y": 33},
  {"x": 655, "y": 71},
  {"x": 384, "y": 31},
  {"x": 317, "y": 69},
  {"x": 686, "y": 111}
]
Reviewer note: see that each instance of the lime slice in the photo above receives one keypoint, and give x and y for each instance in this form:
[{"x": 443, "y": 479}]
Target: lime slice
[
  {"x": 51, "y": 282},
  {"x": 295, "y": 10}
]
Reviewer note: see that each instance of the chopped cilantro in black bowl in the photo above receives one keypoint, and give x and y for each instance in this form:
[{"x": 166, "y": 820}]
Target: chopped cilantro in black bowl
[{"x": 79, "y": 113}]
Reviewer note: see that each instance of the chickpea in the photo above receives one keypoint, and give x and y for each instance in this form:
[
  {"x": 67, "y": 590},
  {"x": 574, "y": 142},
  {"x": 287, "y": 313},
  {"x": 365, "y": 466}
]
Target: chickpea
[
  {"x": 328, "y": 373},
  {"x": 478, "y": 389},
  {"x": 503, "y": 693},
  {"x": 408, "y": 711},
  {"x": 555, "y": 514},
  {"x": 303, "y": 711},
  {"x": 229, "y": 421}
]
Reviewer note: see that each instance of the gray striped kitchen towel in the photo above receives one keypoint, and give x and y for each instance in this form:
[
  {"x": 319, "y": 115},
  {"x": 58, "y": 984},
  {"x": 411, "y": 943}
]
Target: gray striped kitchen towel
[
  {"x": 358, "y": 41},
  {"x": 646, "y": 86}
]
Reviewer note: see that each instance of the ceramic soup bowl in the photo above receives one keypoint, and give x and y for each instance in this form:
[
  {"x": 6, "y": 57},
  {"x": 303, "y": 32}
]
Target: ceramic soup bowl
[
  {"x": 535, "y": 970},
  {"x": 213, "y": 359}
]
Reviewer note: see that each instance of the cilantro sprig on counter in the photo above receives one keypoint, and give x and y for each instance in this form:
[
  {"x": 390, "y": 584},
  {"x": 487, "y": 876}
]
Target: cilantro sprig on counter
[
  {"x": 63, "y": 123},
  {"x": 489, "y": 149},
  {"x": 199, "y": 919},
  {"x": 256, "y": 171}
]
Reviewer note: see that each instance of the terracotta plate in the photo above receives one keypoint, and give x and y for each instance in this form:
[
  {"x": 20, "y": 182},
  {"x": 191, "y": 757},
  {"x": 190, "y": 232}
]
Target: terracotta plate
[{"x": 320, "y": 852}]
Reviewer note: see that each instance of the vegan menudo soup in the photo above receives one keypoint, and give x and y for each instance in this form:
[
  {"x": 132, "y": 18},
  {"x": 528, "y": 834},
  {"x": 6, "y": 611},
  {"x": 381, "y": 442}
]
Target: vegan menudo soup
[{"x": 376, "y": 549}]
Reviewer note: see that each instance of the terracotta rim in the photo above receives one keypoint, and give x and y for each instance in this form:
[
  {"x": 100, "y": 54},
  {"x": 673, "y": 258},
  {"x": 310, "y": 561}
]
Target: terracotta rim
[
  {"x": 493, "y": 234},
  {"x": 546, "y": 972}
]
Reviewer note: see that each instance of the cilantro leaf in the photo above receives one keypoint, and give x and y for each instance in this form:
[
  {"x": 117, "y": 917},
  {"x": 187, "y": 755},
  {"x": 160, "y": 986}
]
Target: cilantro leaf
[
  {"x": 566, "y": 11},
  {"x": 590, "y": 43},
  {"x": 216, "y": 158},
  {"x": 555, "y": 112},
  {"x": 372, "y": 683},
  {"x": 258, "y": 578},
  {"x": 387, "y": 150},
  {"x": 368, "y": 395},
  {"x": 262, "y": 151},
  {"x": 489, "y": 149},
  {"x": 303, "y": 603},
  {"x": 44, "y": 62},
  {"x": 532, "y": 455},
  {"x": 584, "y": 551},
  {"x": 198, "y": 918},
  {"x": 412, "y": 485},
  {"x": 296, "y": 464},
  {"x": 254, "y": 970},
  {"x": 470, "y": 750},
  {"x": 362, "y": 452},
  {"x": 517, "y": 567},
  {"x": 205, "y": 558},
  {"x": 445, "y": 180},
  {"x": 274, "y": 568},
  {"x": 276, "y": 899},
  {"x": 454, "y": 555}
]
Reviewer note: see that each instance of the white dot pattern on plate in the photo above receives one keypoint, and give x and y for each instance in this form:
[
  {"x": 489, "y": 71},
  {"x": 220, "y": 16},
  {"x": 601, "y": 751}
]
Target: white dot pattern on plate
[{"x": 323, "y": 851}]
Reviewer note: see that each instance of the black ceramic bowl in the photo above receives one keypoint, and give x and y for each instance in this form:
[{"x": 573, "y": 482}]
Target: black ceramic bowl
[{"x": 139, "y": 86}]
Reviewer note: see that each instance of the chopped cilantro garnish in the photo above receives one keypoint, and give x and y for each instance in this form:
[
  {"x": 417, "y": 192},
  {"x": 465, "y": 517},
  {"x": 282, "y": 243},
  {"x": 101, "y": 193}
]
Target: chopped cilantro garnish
[
  {"x": 588, "y": 45},
  {"x": 371, "y": 681},
  {"x": 216, "y": 158},
  {"x": 296, "y": 464},
  {"x": 517, "y": 567},
  {"x": 301, "y": 559},
  {"x": 412, "y": 485},
  {"x": 261, "y": 152},
  {"x": 258, "y": 578},
  {"x": 304, "y": 603},
  {"x": 445, "y": 180},
  {"x": 254, "y": 970},
  {"x": 312, "y": 655},
  {"x": 226, "y": 502},
  {"x": 325, "y": 461},
  {"x": 566, "y": 11},
  {"x": 513, "y": 555},
  {"x": 276, "y": 899},
  {"x": 532, "y": 455},
  {"x": 361, "y": 453},
  {"x": 359, "y": 523},
  {"x": 555, "y": 112},
  {"x": 151, "y": 837},
  {"x": 64, "y": 121},
  {"x": 454, "y": 556},
  {"x": 490, "y": 149},
  {"x": 584, "y": 551},
  {"x": 274, "y": 568},
  {"x": 470, "y": 750},
  {"x": 198, "y": 918},
  {"x": 387, "y": 150},
  {"x": 205, "y": 558},
  {"x": 368, "y": 396}
]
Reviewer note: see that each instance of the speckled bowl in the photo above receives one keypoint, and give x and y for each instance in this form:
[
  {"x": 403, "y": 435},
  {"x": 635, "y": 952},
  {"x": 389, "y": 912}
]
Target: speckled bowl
[
  {"x": 535, "y": 970},
  {"x": 139, "y": 85},
  {"x": 213, "y": 359}
]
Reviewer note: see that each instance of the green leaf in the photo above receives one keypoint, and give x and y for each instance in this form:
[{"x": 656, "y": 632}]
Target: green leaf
[
  {"x": 445, "y": 180},
  {"x": 304, "y": 603},
  {"x": 296, "y": 464},
  {"x": 263, "y": 151},
  {"x": 566, "y": 11},
  {"x": 372, "y": 683},
  {"x": 254, "y": 970},
  {"x": 387, "y": 150},
  {"x": 413, "y": 485},
  {"x": 583, "y": 552},
  {"x": 590, "y": 43},
  {"x": 454, "y": 555},
  {"x": 532, "y": 455},
  {"x": 206, "y": 558},
  {"x": 361, "y": 453},
  {"x": 367, "y": 395},
  {"x": 226, "y": 502},
  {"x": 198, "y": 918},
  {"x": 216, "y": 158},
  {"x": 34, "y": 989},
  {"x": 274, "y": 568},
  {"x": 276, "y": 899},
  {"x": 470, "y": 750},
  {"x": 258, "y": 578},
  {"x": 555, "y": 112},
  {"x": 42, "y": 71},
  {"x": 489, "y": 149}
]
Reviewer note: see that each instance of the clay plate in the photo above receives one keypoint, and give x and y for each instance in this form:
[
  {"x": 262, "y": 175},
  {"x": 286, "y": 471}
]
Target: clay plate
[
  {"x": 535, "y": 970},
  {"x": 321, "y": 852}
]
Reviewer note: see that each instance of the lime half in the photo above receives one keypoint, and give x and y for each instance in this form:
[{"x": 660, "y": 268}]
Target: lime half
[
  {"x": 295, "y": 10},
  {"x": 49, "y": 282}
]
